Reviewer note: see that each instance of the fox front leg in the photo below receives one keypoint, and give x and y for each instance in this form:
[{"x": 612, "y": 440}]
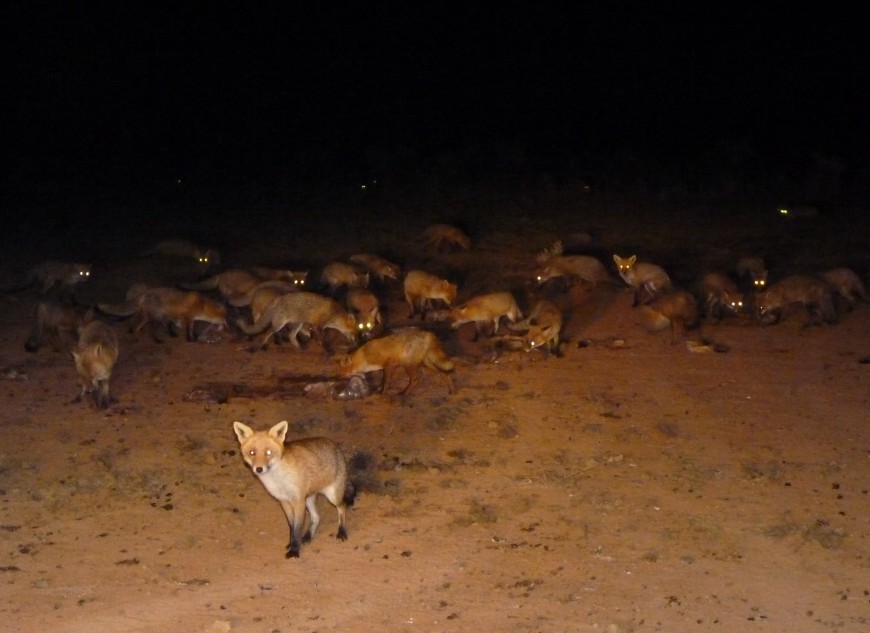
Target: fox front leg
[{"x": 295, "y": 516}]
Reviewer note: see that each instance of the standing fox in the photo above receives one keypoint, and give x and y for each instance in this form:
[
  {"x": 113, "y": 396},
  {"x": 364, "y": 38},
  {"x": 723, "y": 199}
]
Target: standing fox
[
  {"x": 235, "y": 284},
  {"x": 95, "y": 355},
  {"x": 53, "y": 322},
  {"x": 811, "y": 292},
  {"x": 753, "y": 269},
  {"x": 583, "y": 267},
  {"x": 169, "y": 307},
  {"x": 377, "y": 266},
  {"x": 445, "y": 237},
  {"x": 408, "y": 348},
  {"x": 544, "y": 328},
  {"x": 719, "y": 296},
  {"x": 483, "y": 309},
  {"x": 677, "y": 309},
  {"x": 204, "y": 258},
  {"x": 846, "y": 284},
  {"x": 295, "y": 473},
  {"x": 422, "y": 289},
  {"x": 647, "y": 280},
  {"x": 301, "y": 310},
  {"x": 50, "y": 274},
  {"x": 367, "y": 310},
  {"x": 338, "y": 274}
]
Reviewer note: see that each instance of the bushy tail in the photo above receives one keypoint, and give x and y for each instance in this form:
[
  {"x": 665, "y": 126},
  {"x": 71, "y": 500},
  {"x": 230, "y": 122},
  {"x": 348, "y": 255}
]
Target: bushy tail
[
  {"x": 349, "y": 492},
  {"x": 258, "y": 326},
  {"x": 206, "y": 284},
  {"x": 440, "y": 360},
  {"x": 655, "y": 321},
  {"x": 124, "y": 310}
]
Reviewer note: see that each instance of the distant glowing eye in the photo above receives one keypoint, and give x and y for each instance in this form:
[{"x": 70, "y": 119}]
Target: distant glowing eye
[
  {"x": 784, "y": 211},
  {"x": 363, "y": 187}
]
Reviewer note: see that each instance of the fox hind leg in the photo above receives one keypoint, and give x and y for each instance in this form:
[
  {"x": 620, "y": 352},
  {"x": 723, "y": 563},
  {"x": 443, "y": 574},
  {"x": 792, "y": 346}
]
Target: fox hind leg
[{"x": 313, "y": 516}]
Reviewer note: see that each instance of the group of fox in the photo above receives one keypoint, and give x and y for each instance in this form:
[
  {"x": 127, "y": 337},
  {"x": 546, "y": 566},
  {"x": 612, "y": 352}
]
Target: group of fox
[
  {"x": 296, "y": 472},
  {"x": 280, "y": 306}
]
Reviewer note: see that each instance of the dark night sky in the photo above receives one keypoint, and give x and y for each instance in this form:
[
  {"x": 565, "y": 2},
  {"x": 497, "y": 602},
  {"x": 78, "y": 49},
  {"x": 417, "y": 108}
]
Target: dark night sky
[{"x": 197, "y": 88}]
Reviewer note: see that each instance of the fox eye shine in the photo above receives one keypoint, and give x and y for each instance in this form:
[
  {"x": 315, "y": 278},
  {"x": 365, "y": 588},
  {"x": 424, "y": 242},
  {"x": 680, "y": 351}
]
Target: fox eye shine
[{"x": 268, "y": 452}]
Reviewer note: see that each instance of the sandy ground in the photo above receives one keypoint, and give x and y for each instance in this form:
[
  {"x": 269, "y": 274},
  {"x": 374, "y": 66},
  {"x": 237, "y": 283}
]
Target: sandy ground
[{"x": 630, "y": 485}]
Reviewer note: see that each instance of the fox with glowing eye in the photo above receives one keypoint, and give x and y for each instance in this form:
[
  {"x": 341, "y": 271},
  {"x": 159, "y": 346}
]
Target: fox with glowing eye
[
  {"x": 295, "y": 473},
  {"x": 62, "y": 276}
]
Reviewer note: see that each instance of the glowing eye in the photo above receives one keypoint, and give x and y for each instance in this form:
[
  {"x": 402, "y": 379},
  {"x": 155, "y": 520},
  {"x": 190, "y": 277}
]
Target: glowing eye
[
  {"x": 252, "y": 452},
  {"x": 268, "y": 452}
]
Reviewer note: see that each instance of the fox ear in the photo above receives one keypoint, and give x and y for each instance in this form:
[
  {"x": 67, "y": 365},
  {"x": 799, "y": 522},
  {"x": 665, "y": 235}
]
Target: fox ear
[
  {"x": 632, "y": 259},
  {"x": 243, "y": 431},
  {"x": 279, "y": 431},
  {"x": 616, "y": 258}
]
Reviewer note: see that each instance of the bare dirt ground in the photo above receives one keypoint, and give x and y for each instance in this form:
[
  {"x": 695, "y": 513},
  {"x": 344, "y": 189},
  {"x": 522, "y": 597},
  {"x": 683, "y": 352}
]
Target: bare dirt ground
[{"x": 628, "y": 486}]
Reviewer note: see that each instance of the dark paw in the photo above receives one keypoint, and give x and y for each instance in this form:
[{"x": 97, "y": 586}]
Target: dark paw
[
  {"x": 292, "y": 552},
  {"x": 342, "y": 534}
]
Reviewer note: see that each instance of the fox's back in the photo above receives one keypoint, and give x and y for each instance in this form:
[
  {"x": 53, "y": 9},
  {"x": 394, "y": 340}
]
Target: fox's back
[
  {"x": 583, "y": 266},
  {"x": 796, "y": 288},
  {"x": 489, "y": 304},
  {"x": 420, "y": 284},
  {"x": 845, "y": 281},
  {"x": 305, "y": 307}
]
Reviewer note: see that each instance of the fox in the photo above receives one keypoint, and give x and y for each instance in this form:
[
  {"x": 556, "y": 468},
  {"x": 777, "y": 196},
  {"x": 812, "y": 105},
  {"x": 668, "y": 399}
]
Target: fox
[
  {"x": 52, "y": 274},
  {"x": 95, "y": 355},
  {"x": 647, "y": 280},
  {"x": 544, "y": 328},
  {"x": 676, "y": 308},
  {"x": 811, "y": 292},
  {"x": 55, "y": 323},
  {"x": 719, "y": 296},
  {"x": 483, "y": 309},
  {"x": 752, "y": 269},
  {"x": 846, "y": 284},
  {"x": 295, "y": 277},
  {"x": 802, "y": 211},
  {"x": 301, "y": 310},
  {"x": 583, "y": 267},
  {"x": 408, "y": 348},
  {"x": 445, "y": 238},
  {"x": 296, "y": 472},
  {"x": 260, "y": 296},
  {"x": 423, "y": 289},
  {"x": 367, "y": 310},
  {"x": 378, "y": 267},
  {"x": 204, "y": 258},
  {"x": 338, "y": 274},
  {"x": 169, "y": 306},
  {"x": 234, "y": 284}
]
